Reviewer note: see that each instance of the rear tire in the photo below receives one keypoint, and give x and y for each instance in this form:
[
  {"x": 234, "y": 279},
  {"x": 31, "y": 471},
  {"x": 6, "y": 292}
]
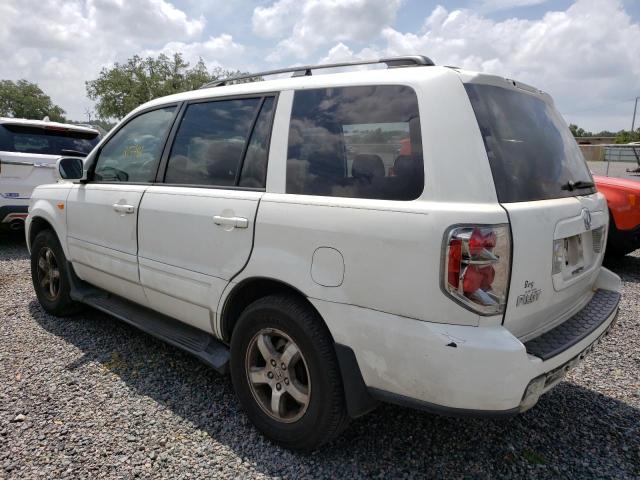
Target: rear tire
[
  {"x": 49, "y": 274},
  {"x": 309, "y": 409}
]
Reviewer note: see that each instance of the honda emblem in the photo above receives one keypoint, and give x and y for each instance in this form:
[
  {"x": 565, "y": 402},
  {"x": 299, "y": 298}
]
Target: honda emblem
[{"x": 586, "y": 217}]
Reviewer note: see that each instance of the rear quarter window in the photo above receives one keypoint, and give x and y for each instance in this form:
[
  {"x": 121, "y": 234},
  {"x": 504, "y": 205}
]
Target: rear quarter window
[{"x": 359, "y": 142}]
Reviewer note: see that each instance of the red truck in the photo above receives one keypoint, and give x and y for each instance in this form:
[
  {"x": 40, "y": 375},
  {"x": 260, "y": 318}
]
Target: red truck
[{"x": 623, "y": 198}]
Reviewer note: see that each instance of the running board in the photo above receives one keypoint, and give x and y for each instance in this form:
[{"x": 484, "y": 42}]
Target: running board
[{"x": 193, "y": 340}]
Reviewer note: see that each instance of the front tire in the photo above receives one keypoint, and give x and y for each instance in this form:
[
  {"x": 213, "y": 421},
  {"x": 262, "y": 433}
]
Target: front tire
[
  {"x": 50, "y": 276},
  {"x": 285, "y": 373}
]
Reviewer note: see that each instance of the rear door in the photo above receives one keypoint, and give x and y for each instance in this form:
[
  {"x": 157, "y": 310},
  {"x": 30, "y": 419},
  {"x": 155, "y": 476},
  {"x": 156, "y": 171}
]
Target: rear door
[
  {"x": 558, "y": 221},
  {"x": 196, "y": 224},
  {"x": 102, "y": 213},
  {"x": 28, "y": 155}
]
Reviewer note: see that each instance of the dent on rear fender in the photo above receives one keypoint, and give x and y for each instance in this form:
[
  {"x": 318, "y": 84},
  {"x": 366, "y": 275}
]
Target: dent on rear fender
[{"x": 377, "y": 362}]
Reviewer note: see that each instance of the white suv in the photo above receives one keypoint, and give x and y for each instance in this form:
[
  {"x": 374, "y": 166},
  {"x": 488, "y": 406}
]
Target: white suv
[
  {"x": 29, "y": 150},
  {"x": 419, "y": 234}
]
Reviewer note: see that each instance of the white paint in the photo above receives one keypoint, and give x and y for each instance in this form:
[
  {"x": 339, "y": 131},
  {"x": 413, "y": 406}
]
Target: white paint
[{"x": 372, "y": 268}]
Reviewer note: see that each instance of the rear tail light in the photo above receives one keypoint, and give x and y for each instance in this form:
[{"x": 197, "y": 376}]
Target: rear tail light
[{"x": 476, "y": 267}]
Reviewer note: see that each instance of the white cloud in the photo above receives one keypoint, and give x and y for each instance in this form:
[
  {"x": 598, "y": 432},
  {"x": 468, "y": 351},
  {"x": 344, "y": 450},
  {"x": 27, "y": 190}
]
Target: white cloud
[
  {"x": 276, "y": 20},
  {"x": 310, "y": 24},
  {"x": 585, "y": 55},
  {"x": 60, "y": 45},
  {"x": 216, "y": 51},
  {"x": 495, "y": 5},
  {"x": 582, "y": 56},
  {"x": 141, "y": 19}
]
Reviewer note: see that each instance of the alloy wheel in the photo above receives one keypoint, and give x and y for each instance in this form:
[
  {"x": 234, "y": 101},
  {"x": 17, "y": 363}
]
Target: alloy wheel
[
  {"x": 278, "y": 375},
  {"x": 48, "y": 274}
]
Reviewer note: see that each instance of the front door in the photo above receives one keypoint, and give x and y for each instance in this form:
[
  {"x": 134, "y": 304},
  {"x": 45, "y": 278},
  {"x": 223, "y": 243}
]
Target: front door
[
  {"x": 102, "y": 214},
  {"x": 196, "y": 230}
]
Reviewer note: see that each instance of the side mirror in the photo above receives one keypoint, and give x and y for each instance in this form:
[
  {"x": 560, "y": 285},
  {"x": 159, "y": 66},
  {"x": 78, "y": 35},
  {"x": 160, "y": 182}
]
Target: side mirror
[{"x": 70, "y": 168}]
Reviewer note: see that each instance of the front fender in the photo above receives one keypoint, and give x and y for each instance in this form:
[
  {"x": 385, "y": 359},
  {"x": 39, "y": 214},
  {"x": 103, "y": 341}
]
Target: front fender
[
  {"x": 624, "y": 206},
  {"x": 49, "y": 203}
]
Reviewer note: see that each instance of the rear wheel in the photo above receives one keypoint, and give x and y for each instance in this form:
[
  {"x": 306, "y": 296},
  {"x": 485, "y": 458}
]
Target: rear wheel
[
  {"x": 285, "y": 373},
  {"x": 49, "y": 275}
]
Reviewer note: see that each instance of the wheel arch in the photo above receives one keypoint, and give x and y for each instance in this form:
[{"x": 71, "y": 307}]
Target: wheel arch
[
  {"x": 38, "y": 224},
  {"x": 248, "y": 291},
  {"x": 47, "y": 213},
  {"x": 357, "y": 397}
]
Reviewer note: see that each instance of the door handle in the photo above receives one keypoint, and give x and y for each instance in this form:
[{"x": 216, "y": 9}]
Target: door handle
[
  {"x": 120, "y": 208},
  {"x": 238, "y": 222}
]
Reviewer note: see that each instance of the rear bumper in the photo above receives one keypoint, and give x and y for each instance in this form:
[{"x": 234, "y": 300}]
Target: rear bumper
[
  {"x": 459, "y": 370},
  {"x": 548, "y": 380},
  {"x": 14, "y": 211}
]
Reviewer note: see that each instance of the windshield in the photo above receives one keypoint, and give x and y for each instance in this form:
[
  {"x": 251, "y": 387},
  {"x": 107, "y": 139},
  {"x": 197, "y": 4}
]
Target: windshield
[
  {"x": 532, "y": 154},
  {"x": 45, "y": 141}
]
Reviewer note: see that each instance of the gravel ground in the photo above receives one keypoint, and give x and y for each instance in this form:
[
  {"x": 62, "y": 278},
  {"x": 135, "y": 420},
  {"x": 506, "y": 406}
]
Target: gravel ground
[{"x": 91, "y": 397}]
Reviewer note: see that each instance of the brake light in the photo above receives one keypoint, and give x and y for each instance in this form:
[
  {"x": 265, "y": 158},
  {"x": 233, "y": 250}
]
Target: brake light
[{"x": 476, "y": 267}]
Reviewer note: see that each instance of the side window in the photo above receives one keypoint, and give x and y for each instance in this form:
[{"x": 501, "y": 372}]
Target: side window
[
  {"x": 359, "y": 142},
  {"x": 210, "y": 142},
  {"x": 254, "y": 168},
  {"x": 132, "y": 154}
]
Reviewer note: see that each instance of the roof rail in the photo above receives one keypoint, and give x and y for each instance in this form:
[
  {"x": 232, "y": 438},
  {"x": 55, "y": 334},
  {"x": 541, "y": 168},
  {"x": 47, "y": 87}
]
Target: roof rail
[{"x": 305, "y": 70}]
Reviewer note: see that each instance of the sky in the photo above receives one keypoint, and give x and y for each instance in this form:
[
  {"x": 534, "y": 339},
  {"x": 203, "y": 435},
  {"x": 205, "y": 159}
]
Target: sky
[{"x": 585, "y": 53}]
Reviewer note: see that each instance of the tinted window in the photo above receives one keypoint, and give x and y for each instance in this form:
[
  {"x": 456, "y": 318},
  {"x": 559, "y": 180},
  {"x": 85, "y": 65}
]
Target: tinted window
[
  {"x": 210, "y": 142},
  {"x": 132, "y": 154},
  {"x": 45, "y": 140},
  {"x": 254, "y": 168},
  {"x": 361, "y": 142},
  {"x": 531, "y": 151}
]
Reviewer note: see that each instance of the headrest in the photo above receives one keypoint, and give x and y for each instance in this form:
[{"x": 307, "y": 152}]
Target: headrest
[
  {"x": 404, "y": 166},
  {"x": 367, "y": 166}
]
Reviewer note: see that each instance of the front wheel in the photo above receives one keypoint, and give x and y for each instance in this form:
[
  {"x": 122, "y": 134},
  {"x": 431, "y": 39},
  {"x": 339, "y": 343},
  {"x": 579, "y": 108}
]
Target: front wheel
[
  {"x": 285, "y": 373},
  {"x": 49, "y": 275}
]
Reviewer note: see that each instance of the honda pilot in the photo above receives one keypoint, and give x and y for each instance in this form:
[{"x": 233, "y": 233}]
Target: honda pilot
[{"x": 421, "y": 235}]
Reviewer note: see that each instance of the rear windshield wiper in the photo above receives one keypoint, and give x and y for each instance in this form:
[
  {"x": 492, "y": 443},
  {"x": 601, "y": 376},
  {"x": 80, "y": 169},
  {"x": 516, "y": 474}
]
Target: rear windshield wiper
[{"x": 571, "y": 185}]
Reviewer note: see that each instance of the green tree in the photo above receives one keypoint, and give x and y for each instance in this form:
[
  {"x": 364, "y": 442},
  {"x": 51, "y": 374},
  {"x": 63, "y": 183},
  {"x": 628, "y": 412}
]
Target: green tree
[
  {"x": 123, "y": 87},
  {"x": 23, "y": 99},
  {"x": 103, "y": 126},
  {"x": 579, "y": 132},
  {"x": 626, "y": 136}
]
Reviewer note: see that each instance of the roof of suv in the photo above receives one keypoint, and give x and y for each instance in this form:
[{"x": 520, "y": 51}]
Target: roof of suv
[
  {"x": 44, "y": 124},
  {"x": 398, "y": 75},
  {"x": 360, "y": 76}
]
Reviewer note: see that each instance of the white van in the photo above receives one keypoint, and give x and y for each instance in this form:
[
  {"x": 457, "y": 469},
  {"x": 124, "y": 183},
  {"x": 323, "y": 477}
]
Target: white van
[
  {"x": 419, "y": 234},
  {"x": 28, "y": 153}
]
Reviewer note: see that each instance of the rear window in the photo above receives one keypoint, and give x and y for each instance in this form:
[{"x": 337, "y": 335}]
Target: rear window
[
  {"x": 24, "y": 139},
  {"x": 359, "y": 142},
  {"x": 531, "y": 151}
]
